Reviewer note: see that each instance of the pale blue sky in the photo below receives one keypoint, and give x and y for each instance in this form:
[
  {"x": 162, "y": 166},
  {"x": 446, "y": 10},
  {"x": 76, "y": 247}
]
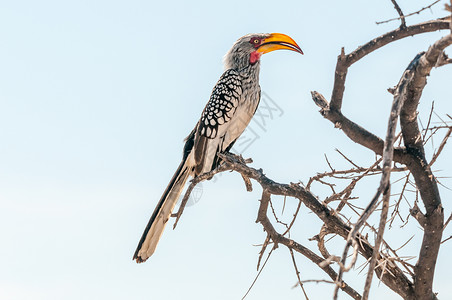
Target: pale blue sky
[{"x": 95, "y": 100}]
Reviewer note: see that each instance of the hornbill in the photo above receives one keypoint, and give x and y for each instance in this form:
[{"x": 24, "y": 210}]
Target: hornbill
[{"x": 231, "y": 106}]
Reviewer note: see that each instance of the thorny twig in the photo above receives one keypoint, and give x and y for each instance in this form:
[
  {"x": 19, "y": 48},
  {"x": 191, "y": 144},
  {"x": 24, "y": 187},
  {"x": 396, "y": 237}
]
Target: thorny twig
[
  {"x": 385, "y": 177},
  {"x": 300, "y": 283},
  {"x": 402, "y": 17},
  {"x": 258, "y": 274}
]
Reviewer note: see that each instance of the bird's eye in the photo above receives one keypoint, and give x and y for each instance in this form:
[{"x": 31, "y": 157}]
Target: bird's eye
[{"x": 255, "y": 42}]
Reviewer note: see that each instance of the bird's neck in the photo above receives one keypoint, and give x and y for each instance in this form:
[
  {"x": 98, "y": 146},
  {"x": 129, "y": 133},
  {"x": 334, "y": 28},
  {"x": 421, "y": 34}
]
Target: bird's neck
[
  {"x": 241, "y": 62},
  {"x": 250, "y": 71},
  {"x": 250, "y": 84}
]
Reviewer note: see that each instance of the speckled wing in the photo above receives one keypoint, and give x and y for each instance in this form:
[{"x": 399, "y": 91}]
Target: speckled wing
[
  {"x": 222, "y": 104},
  {"x": 220, "y": 109}
]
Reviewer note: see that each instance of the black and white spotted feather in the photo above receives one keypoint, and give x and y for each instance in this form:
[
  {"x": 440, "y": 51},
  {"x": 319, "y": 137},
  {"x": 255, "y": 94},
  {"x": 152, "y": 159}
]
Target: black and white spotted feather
[{"x": 222, "y": 104}]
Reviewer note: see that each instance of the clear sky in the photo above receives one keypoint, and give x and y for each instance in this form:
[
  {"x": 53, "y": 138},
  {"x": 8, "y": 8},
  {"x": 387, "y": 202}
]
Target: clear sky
[{"x": 95, "y": 100}]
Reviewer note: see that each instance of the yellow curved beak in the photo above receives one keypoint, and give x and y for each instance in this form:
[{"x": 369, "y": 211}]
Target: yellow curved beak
[{"x": 278, "y": 41}]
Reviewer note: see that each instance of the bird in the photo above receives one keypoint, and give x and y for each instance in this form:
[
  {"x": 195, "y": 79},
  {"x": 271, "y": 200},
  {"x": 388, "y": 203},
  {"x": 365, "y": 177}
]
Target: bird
[{"x": 232, "y": 104}]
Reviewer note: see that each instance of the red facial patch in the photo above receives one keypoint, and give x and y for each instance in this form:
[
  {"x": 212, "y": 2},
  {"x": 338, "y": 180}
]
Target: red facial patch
[{"x": 254, "y": 57}]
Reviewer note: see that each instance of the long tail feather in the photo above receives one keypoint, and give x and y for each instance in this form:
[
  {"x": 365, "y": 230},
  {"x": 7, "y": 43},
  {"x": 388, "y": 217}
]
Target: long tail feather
[{"x": 161, "y": 214}]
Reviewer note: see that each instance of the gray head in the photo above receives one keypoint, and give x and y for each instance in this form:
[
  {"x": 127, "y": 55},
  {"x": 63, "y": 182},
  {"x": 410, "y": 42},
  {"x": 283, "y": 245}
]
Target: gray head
[{"x": 248, "y": 49}]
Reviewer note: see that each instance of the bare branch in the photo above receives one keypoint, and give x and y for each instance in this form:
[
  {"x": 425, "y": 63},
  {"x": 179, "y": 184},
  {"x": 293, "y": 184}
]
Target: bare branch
[
  {"x": 447, "y": 222},
  {"x": 419, "y": 167},
  {"x": 355, "y": 132},
  {"x": 398, "y": 281},
  {"x": 428, "y": 122},
  {"x": 345, "y": 61},
  {"x": 408, "y": 118},
  {"x": 381, "y": 229},
  {"x": 248, "y": 185},
  {"x": 347, "y": 159},
  {"x": 300, "y": 283},
  {"x": 441, "y": 147},
  {"x": 258, "y": 274},
  {"x": 332, "y": 110},
  {"x": 278, "y": 238},
  {"x": 261, "y": 253},
  {"x": 408, "y": 15},
  {"x": 446, "y": 239},
  {"x": 385, "y": 176},
  {"x": 399, "y": 11},
  {"x": 396, "y": 208},
  {"x": 318, "y": 281}
]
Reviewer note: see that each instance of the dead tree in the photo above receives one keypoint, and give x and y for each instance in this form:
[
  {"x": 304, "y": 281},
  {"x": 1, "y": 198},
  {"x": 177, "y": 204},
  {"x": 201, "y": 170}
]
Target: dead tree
[{"x": 401, "y": 153}]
